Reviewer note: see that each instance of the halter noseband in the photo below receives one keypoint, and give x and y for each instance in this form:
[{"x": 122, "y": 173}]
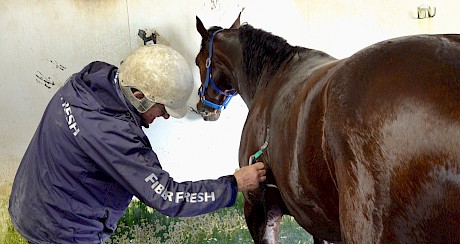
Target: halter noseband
[{"x": 209, "y": 79}]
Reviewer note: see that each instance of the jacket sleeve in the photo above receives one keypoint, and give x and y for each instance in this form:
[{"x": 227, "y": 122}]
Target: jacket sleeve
[{"x": 119, "y": 148}]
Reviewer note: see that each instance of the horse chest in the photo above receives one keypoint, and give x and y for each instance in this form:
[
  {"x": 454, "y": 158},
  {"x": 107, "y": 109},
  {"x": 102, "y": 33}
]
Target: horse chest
[{"x": 294, "y": 155}]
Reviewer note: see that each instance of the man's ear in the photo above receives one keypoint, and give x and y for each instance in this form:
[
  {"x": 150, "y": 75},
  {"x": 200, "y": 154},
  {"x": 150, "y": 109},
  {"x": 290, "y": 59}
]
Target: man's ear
[{"x": 138, "y": 94}]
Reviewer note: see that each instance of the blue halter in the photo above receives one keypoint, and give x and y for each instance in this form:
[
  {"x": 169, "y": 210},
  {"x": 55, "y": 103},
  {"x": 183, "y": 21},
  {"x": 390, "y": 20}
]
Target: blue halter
[{"x": 209, "y": 79}]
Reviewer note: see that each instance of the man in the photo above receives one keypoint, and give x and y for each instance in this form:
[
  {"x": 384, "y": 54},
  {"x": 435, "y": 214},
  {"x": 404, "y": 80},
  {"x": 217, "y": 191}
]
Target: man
[{"x": 90, "y": 156}]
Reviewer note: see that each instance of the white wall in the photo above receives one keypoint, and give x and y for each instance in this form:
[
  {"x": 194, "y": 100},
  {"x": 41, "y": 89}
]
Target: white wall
[{"x": 47, "y": 41}]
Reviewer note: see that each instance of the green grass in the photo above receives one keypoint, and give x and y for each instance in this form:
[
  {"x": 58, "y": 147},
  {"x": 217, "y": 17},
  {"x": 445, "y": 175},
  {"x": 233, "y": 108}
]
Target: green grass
[
  {"x": 8, "y": 235},
  {"x": 141, "y": 224}
]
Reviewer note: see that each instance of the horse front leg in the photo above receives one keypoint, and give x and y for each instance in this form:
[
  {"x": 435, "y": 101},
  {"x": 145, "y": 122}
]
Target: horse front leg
[
  {"x": 254, "y": 213},
  {"x": 263, "y": 212}
]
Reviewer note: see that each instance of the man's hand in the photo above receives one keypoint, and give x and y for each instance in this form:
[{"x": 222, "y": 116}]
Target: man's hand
[{"x": 249, "y": 177}]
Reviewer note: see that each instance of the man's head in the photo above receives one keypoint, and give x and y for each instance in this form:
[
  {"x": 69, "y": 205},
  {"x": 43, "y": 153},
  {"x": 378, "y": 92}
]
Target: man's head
[{"x": 157, "y": 76}]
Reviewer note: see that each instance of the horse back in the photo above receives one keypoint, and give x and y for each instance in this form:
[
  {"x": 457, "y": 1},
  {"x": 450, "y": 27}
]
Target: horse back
[{"x": 392, "y": 132}]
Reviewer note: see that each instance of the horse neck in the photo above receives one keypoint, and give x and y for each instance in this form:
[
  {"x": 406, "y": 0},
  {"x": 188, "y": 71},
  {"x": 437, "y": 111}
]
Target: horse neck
[
  {"x": 249, "y": 88},
  {"x": 246, "y": 89},
  {"x": 273, "y": 77},
  {"x": 253, "y": 64},
  {"x": 230, "y": 52},
  {"x": 248, "y": 85}
]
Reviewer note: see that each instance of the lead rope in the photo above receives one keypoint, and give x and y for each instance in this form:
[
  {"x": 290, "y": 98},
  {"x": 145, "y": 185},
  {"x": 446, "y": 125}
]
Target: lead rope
[{"x": 253, "y": 157}]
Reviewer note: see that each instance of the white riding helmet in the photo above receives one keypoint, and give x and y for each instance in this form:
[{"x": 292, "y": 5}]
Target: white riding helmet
[{"x": 161, "y": 74}]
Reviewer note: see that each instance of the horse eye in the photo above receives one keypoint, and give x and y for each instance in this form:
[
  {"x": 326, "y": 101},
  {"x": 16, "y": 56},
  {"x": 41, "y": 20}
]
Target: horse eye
[{"x": 197, "y": 63}]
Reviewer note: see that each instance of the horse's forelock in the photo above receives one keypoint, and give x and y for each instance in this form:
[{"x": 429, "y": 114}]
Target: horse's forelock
[
  {"x": 214, "y": 29},
  {"x": 211, "y": 31}
]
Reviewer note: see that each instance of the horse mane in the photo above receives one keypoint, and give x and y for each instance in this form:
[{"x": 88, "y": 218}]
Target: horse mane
[{"x": 263, "y": 48}]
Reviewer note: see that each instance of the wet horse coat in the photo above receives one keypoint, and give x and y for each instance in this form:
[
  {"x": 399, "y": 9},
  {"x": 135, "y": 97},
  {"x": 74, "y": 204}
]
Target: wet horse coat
[{"x": 364, "y": 149}]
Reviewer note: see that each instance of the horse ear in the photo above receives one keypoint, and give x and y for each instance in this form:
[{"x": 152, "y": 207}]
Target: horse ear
[
  {"x": 200, "y": 28},
  {"x": 237, "y": 24}
]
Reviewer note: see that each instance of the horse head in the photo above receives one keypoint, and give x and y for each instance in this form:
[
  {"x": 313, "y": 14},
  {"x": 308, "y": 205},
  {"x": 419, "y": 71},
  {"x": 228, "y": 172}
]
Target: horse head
[{"x": 217, "y": 68}]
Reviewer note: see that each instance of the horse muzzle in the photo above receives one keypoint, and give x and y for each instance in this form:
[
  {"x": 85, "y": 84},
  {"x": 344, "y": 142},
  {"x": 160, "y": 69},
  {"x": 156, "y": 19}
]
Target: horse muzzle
[{"x": 207, "y": 113}]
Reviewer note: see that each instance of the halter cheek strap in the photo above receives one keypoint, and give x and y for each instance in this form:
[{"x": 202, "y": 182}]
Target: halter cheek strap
[{"x": 209, "y": 80}]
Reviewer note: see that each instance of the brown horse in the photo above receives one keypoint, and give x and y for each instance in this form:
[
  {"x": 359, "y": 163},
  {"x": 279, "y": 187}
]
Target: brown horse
[{"x": 364, "y": 149}]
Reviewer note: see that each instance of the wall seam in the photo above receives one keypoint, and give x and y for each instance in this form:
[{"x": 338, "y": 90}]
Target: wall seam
[{"x": 129, "y": 25}]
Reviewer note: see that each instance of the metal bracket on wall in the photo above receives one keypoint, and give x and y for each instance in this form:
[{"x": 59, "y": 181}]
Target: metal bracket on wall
[
  {"x": 152, "y": 38},
  {"x": 425, "y": 11}
]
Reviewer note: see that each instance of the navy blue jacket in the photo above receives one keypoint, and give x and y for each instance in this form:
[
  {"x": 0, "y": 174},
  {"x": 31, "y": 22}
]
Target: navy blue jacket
[{"x": 87, "y": 159}]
